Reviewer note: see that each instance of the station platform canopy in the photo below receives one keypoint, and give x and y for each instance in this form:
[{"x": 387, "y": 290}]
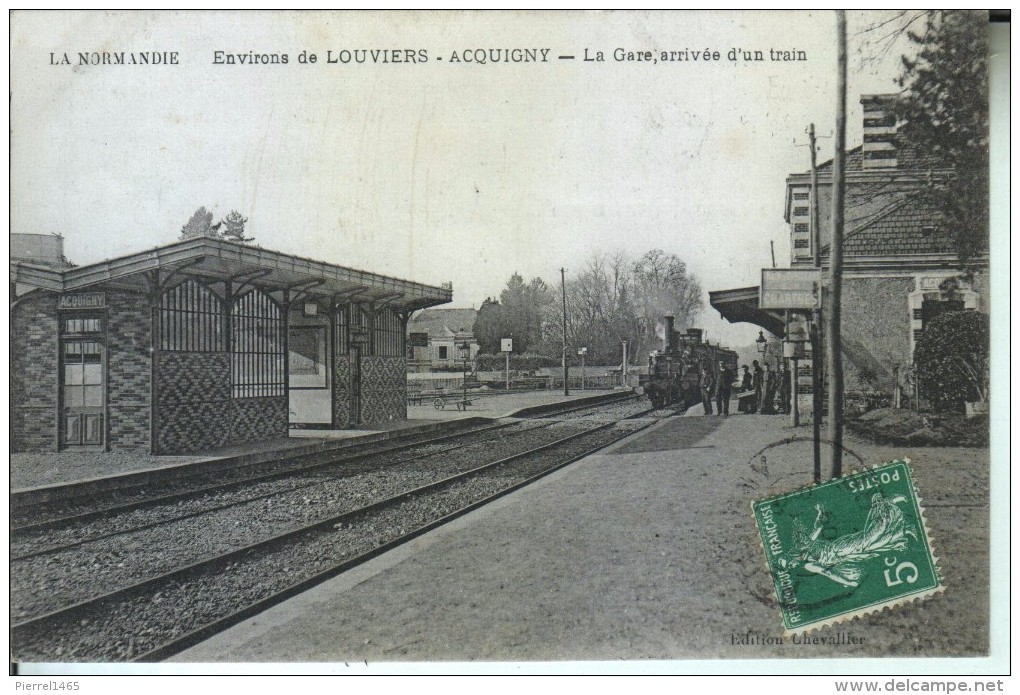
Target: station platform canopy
[
  {"x": 742, "y": 306},
  {"x": 211, "y": 260}
]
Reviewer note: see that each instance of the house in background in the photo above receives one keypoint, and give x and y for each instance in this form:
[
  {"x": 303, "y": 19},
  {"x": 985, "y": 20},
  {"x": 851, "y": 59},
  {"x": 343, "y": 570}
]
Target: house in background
[
  {"x": 435, "y": 337},
  {"x": 900, "y": 266}
]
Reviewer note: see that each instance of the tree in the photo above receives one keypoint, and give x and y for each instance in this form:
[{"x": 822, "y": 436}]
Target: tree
[
  {"x": 664, "y": 287},
  {"x": 489, "y": 326},
  {"x": 523, "y": 305},
  {"x": 944, "y": 112},
  {"x": 234, "y": 227},
  {"x": 200, "y": 225},
  {"x": 612, "y": 299},
  {"x": 951, "y": 359}
]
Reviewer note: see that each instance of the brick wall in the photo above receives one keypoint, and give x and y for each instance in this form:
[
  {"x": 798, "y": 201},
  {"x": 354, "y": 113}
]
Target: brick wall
[
  {"x": 258, "y": 418},
  {"x": 341, "y": 391},
  {"x": 383, "y": 389},
  {"x": 34, "y": 372},
  {"x": 129, "y": 373},
  {"x": 980, "y": 284},
  {"x": 193, "y": 401},
  {"x": 196, "y": 411}
]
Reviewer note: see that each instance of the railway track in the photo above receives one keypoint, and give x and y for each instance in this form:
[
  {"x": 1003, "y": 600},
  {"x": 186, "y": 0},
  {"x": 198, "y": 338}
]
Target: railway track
[
  {"x": 71, "y": 509},
  {"x": 77, "y": 508},
  {"x": 146, "y": 600},
  {"x": 292, "y": 492}
]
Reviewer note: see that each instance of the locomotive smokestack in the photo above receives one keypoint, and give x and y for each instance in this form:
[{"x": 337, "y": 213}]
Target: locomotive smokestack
[{"x": 668, "y": 339}]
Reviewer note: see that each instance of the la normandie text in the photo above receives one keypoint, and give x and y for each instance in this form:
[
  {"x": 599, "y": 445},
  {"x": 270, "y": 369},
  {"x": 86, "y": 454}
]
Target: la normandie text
[{"x": 116, "y": 58}]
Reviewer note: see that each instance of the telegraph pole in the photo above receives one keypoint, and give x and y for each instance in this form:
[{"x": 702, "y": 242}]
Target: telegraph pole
[
  {"x": 833, "y": 337},
  {"x": 816, "y": 321},
  {"x": 566, "y": 370}
]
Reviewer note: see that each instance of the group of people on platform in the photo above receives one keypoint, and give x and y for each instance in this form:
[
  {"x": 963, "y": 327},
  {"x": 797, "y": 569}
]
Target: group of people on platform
[{"x": 762, "y": 390}]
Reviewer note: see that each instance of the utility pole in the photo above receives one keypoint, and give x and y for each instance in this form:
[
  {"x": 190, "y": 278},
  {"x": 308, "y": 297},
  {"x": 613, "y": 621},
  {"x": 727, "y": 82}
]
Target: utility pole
[
  {"x": 792, "y": 378},
  {"x": 566, "y": 370},
  {"x": 623, "y": 367},
  {"x": 815, "y": 318},
  {"x": 833, "y": 336},
  {"x": 816, "y": 322}
]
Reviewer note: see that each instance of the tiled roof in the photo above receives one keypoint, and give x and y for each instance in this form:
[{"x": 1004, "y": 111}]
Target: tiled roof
[
  {"x": 433, "y": 321},
  {"x": 910, "y": 226}
]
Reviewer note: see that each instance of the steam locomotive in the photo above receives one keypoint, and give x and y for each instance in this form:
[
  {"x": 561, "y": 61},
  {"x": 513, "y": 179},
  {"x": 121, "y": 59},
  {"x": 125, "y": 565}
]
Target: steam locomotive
[{"x": 673, "y": 371}]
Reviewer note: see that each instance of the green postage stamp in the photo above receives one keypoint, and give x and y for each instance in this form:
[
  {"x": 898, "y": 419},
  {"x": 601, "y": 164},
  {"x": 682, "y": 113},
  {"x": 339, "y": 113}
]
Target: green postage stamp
[{"x": 847, "y": 547}]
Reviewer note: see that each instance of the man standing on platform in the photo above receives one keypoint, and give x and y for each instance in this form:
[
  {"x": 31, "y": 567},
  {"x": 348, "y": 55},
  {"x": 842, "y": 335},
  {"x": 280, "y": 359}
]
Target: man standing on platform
[
  {"x": 768, "y": 401},
  {"x": 723, "y": 389},
  {"x": 758, "y": 384},
  {"x": 784, "y": 388},
  {"x": 706, "y": 382}
]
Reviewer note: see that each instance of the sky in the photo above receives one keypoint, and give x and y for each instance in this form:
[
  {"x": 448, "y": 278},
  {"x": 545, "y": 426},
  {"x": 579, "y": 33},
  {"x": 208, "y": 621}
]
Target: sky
[{"x": 436, "y": 171}]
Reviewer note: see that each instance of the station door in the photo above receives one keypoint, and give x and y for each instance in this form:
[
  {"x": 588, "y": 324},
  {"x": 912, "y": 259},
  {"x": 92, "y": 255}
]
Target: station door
[{"x": 83, "y": 387}]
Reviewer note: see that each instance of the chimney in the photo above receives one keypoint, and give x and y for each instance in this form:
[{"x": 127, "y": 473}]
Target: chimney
[
  {"x": 879, "y": 131},
  {"x": 667, "y": 333},
  {"x": 40, "y": 249}
]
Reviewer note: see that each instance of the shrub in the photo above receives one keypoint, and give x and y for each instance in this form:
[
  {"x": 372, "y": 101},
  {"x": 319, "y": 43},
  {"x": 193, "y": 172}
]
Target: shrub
[
  {"x": 525, "y": 362},
  {"x": 951, "y": 360},
  {"x": 857, "y": 403}
]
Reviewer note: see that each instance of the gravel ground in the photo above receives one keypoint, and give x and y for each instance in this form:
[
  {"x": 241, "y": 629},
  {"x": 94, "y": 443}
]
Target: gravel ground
[
  {"x": 43, "y": 583},
  {"x": 37, "y": 470},
  {"x": 25, "y": 515},
  {"x": 122, "y": 629},
  {"x": 648, "y": 551}
]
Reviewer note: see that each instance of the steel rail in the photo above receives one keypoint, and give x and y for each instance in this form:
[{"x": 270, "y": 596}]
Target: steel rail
[
  {"x": 202, "y": 633},
  {"x": 209, "y": 563},
  {"x": 589, "y": 406},
  {"x": 225, "y": 486},
  {"x": 51, "y": 550}
]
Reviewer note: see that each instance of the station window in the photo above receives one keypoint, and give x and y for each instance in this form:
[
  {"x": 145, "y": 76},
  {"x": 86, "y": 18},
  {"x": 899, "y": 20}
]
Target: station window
[
  {"x": 442, "y": 352},
  {"x": 258, "y": 361},
  {"x": 83, "y": 374},
  {"x": 801, "y": 228},
  {"x": 191, "y": 319},
  {"x": 387, "y": 335},
  {"x": 800, "y": 196},
  {"x": 803, "y": 210},
  {"x": 80, "y": 325},
  {"x": 801, "y": 244},
  {"x": 343, "y": 329},
  {"x": 360, "y": 330}
]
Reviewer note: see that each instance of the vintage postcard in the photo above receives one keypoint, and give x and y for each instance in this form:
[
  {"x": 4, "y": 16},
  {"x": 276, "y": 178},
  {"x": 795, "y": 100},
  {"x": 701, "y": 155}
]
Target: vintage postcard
[{"x": 348, "y": 340}]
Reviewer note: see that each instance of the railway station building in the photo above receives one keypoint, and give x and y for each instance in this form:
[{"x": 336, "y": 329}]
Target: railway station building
[
  {"x": 200, "y": 344},
  {"x": 900, "y": 266}
]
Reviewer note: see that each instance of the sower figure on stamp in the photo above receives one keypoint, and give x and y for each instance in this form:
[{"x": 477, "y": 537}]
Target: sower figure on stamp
[{"x": 723, "y": 389}]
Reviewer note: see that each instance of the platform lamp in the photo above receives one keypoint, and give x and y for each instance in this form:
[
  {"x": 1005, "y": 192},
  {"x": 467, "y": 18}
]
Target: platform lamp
[{"x": 763, "y": 346}]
